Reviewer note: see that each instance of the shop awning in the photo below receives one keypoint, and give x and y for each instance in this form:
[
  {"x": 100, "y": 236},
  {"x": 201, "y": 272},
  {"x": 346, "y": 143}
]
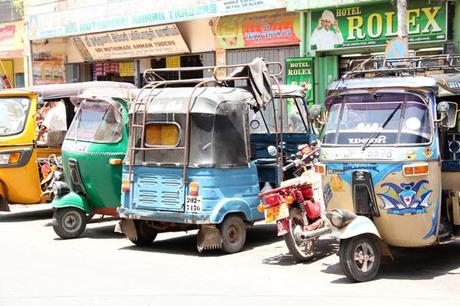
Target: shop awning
[{"x": 303, "y": 5}]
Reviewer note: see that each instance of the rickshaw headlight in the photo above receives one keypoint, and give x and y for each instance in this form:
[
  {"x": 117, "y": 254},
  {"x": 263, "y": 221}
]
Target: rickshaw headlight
[{"x": 60, "y": 189}]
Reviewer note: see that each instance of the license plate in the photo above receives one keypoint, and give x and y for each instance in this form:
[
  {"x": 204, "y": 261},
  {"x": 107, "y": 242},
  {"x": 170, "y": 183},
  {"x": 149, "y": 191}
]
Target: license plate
[
  {"x": 193, "y": 205},
  {"x": 276, "y": 213}
]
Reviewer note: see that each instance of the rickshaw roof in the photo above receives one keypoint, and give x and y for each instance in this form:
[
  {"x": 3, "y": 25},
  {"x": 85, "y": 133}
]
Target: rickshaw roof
[
  {"x": 110, "y": 92},
  {"x": 58, "y": 91},
  {"x": 383, "y": 82},
  {"x": 290, "y": 90},
  {"x": 174, "y": 100}
]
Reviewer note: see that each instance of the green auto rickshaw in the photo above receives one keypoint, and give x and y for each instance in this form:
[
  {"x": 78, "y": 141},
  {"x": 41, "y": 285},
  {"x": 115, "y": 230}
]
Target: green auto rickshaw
[{"x": 92, "y": 153}]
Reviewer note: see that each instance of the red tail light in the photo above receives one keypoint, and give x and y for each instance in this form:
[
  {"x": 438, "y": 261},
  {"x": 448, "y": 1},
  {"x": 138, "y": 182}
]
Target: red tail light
[
  {"x": 125, "y": 185},
  {"x": 193, "y": 189},
  {"x": 273, "y": 200}
]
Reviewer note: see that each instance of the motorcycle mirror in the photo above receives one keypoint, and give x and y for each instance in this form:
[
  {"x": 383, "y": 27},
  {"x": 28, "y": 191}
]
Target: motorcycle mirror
[{"x": 272, "y": 151}]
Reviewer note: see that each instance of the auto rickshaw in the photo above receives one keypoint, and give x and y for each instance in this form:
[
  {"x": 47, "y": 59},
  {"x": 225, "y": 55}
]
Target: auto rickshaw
[
  {"x": 20, "y": 152},
  {"x": 390, "y": 158},
  {"x": 192, "y": 161},
  {"x": 92, "y": 152}
]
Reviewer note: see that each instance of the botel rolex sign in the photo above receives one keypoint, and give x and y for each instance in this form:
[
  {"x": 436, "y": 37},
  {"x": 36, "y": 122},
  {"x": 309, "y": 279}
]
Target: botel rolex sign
[{"x": 374, "y": 25}]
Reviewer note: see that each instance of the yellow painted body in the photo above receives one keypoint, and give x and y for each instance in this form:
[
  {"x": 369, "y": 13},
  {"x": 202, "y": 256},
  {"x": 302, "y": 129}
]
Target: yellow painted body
[{"x": 21, "y": 185}]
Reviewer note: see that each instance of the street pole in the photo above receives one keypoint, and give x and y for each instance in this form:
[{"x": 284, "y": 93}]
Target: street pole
[{"x": 402, "y": 21}]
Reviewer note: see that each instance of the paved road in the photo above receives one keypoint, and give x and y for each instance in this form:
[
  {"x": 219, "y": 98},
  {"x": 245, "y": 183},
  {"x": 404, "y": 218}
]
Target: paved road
[{"x": 103, "y": 268}]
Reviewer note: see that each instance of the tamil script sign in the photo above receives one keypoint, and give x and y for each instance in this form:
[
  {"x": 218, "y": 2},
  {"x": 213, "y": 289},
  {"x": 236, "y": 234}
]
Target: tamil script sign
[
  {"x": 259, "y": 29},
  {"x": 375, "y": 25},
  {"x": 299, "y": 71},
  {"x": 149, "y": 41},
  {"x": 125, "y": 14}
]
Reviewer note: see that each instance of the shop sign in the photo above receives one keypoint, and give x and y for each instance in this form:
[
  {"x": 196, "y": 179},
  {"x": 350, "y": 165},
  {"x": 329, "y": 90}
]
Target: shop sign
[
  {"x": 125, "y": 14},
  {"x": 11, "y": 40},
  {"x": 48, "y": 72},
  {"x": 300, "y": 71},
  {"x": 375, "y": 25},
  {"x": 259, "y": 30},
  {"x": 150, "y": 41}
]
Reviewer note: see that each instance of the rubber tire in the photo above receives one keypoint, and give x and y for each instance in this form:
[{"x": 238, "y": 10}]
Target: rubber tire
[
  {"x": 145, "y": 234},
  {"x": 59, "y": 222},
  {"x": 346, "y": 254},
  {"x": 290, "y": 240},
  {"x": 233, "y": 223}
]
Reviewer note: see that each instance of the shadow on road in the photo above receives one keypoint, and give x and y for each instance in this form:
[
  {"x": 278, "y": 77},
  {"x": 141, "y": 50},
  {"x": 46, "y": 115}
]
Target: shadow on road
[
  {"x": 186, "y": 245},
  {"x": 323, "y": 248},
  {"x": 25, "y": 216},
  {"x": 413, "y": 264}
]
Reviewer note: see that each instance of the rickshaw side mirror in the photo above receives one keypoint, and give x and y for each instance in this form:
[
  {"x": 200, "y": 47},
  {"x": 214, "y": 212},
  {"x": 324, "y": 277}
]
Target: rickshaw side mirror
[{"x": 448, "y": 111}]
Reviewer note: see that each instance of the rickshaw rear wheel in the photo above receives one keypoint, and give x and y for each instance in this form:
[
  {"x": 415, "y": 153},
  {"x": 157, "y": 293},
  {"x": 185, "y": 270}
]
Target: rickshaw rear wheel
[
  {"x": 360, "y": 258},
  {"x": 233, "y": 232},
  {"x": 69, "y": 222},
  {"x": 145, "y": 233},
  {"x": 301, "y": 250}
]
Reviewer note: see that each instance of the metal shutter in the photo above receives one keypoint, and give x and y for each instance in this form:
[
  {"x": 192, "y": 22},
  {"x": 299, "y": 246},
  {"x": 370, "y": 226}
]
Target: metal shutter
[{"x": 279, "y": 54}]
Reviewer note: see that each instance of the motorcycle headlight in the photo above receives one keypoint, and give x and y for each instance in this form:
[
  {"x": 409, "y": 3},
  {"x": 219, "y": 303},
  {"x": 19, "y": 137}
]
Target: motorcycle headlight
[{"x": 60, "y": 189}]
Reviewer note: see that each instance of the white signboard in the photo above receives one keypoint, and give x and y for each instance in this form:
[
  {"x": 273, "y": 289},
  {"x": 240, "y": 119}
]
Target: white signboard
[
  {"x": 124, "y": 14},
  {"x": 143, "y": 42}
]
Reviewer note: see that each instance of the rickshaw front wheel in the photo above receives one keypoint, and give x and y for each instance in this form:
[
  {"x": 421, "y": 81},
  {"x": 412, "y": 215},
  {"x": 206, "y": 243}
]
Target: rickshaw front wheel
[
  {"x": 69, "y": 222},
  {"x": 360, "y": 258},
  {"x": 145, "y": 233},
  {"x": 233, "y": 232}
]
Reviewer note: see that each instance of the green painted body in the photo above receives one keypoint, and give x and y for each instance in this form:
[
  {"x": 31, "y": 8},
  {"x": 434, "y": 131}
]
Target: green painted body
[{"x": 102, "y": 181}]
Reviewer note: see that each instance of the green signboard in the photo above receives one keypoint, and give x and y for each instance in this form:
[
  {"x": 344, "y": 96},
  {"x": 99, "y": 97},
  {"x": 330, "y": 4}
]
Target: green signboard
[
  {"x": 299, "y": 71},
  {"x": 374, "y": 25}
]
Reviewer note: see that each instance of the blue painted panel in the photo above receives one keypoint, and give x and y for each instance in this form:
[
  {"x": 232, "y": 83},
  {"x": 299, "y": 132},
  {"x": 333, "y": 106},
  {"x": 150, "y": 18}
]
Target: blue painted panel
[{"x": 157, "y": 192}]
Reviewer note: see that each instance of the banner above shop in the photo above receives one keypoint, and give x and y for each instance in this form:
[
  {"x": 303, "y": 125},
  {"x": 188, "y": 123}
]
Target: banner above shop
[
  {"x": 259, "y": 30},
  {"x": 375, "y": 25},
  {"x": 124, "y": 14},
  {"x": 11, "y": 40},
  {"x": 143, "y": 42}
]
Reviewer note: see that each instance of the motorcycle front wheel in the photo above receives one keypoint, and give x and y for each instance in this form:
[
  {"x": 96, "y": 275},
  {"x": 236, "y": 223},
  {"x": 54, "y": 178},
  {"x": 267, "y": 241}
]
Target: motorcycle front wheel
[{"x": 300, "y": 249}]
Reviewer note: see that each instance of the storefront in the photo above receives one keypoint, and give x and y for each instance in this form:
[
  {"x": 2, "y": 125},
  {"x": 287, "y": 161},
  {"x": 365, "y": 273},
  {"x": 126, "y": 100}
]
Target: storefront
[
  {"x": 115, "y": 45},
  {"x": 12, "y": 55},
  {"x": 339, "y": 36}
]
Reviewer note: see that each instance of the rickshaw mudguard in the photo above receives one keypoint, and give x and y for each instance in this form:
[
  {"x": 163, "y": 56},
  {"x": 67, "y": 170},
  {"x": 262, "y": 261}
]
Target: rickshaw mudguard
[
  {"x": 359, "y": 226},
  {"x": 228, "y": 206},
  {"x": 71, "y": 200}
]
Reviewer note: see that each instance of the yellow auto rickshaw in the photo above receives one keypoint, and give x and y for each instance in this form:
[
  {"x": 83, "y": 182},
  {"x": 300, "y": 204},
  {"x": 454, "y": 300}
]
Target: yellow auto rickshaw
[{"x": 21, "y": 153}]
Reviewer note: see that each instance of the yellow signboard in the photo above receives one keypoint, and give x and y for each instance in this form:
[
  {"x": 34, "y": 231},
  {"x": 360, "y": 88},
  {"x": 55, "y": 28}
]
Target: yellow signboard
[
  {"x": 149, "y": 41},
  {"x": 11, "y": 40}
]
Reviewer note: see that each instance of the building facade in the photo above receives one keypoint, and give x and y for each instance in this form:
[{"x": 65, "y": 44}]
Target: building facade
[
  {"x": 338, "y": 33},
  {"x": 117, "y": 40}
]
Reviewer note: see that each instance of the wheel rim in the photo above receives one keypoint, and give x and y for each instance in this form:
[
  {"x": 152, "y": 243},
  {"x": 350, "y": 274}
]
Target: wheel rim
[
  {"x": 297, "y": 226},
  {"x": 233, "y": 234},
  {"x": 72, "y": 221},
  {"x": 364, "y": 257}
]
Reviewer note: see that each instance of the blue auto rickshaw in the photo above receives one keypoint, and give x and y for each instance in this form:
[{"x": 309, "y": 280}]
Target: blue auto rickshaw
[{"x": 194, "y": 163}]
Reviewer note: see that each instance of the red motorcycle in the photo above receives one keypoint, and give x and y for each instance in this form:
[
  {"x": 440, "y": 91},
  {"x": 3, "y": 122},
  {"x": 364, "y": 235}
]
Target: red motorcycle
[{"x": 294, "y": 208}]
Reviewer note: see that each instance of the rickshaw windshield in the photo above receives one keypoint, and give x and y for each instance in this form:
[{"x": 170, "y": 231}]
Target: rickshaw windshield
[
  {"x": 364, "y": 120},
  {"x": 13, "y": 115},
  {"x": 96, "y": 122},
  {"x": 295, "y": 117}
]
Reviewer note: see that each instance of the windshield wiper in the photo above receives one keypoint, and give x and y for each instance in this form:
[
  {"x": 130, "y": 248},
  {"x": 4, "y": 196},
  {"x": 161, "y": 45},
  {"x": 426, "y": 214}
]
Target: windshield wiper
[{"x": 376, "y": 134}]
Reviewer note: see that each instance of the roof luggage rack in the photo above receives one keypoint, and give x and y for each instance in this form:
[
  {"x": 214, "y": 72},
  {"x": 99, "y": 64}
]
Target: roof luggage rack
[
  {"x": 257, "y": 73},
  {"x": 407, "y": 66}
]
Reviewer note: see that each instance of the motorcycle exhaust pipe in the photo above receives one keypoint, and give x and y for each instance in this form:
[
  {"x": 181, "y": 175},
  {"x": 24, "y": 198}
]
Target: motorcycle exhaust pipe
[{"x": 316, "y": 233}]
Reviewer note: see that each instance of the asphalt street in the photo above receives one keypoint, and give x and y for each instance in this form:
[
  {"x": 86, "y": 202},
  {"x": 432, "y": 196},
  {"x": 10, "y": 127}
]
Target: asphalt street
[{"x": 104, "y": 268}]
